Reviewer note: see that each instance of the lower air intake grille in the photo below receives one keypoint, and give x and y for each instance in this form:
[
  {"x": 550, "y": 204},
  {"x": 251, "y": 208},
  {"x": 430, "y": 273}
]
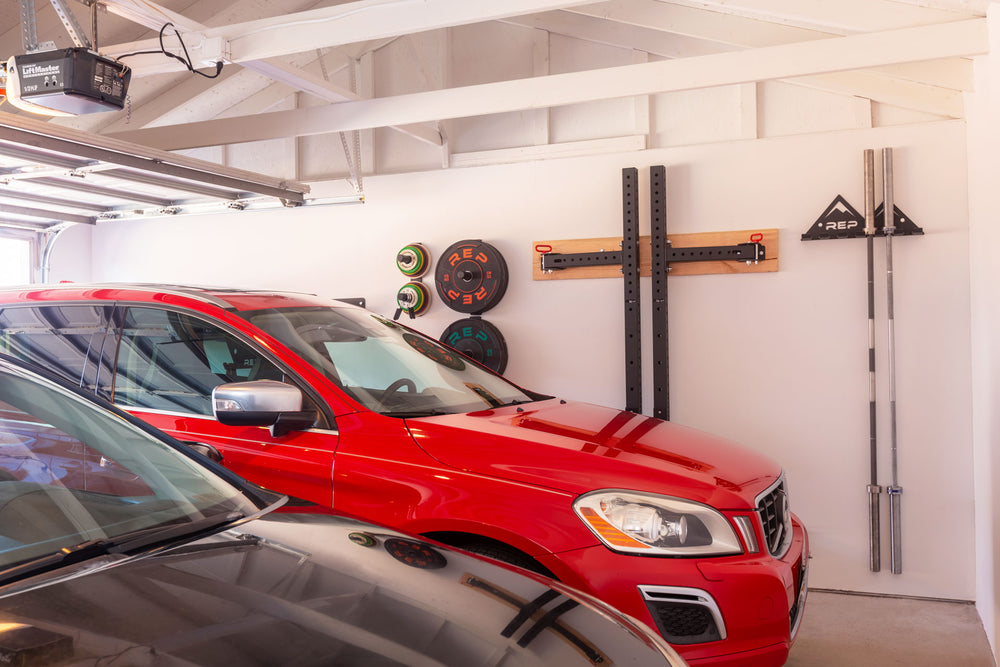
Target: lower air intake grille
[
  {"x": 684, "y": 620},
  {"x": 684, "y": 615}
]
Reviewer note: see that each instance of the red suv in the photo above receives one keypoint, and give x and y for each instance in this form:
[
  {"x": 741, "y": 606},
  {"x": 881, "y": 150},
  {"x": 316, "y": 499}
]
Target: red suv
[{"x": 334, "y": 405}]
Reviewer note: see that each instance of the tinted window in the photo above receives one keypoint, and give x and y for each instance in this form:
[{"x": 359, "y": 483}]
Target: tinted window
[
  {"x": 171, "y": 361},
  {"x": 59, "y": 338}
]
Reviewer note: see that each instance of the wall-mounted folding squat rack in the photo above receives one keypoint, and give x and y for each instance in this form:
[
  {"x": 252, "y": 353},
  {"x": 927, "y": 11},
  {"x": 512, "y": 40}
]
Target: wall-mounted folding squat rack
[{"x": 656, "y": 256}]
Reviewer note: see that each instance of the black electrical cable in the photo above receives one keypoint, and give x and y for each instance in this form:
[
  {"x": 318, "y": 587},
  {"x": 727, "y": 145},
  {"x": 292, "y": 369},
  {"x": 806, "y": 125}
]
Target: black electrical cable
[{"x": 186, "y": 59}]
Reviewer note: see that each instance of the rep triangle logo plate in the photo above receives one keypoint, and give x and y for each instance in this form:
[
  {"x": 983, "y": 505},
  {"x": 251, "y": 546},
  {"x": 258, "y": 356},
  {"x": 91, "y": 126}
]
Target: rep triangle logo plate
[{"x": 840, "y": 220}]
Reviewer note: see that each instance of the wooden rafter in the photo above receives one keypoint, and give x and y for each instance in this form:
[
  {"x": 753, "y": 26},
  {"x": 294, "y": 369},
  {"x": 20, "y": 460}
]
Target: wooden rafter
[{"x": 837, "y": 54}]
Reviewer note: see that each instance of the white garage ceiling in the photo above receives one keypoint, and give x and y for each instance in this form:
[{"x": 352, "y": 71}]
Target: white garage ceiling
[{"x": 911, "y": 54}]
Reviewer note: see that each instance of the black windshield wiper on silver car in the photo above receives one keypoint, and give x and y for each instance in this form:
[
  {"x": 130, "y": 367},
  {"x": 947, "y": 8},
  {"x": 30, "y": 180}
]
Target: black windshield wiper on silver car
[{"x": 125, "y": 544}]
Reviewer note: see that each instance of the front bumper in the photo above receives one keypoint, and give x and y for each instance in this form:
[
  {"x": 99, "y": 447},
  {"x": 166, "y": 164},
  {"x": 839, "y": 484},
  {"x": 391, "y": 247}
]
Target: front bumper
[{"x": 732, "y": 611}]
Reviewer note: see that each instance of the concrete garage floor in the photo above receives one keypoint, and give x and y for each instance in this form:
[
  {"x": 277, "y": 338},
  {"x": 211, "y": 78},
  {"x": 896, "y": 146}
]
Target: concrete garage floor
[{"x": 851, "y": 630}]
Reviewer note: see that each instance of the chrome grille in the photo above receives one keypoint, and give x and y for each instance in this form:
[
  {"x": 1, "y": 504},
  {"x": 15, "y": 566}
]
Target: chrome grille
[{"x": 775, "y": 518}]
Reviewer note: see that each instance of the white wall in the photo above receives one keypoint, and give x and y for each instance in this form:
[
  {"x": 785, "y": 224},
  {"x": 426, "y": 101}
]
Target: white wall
[
  {"x": 778, "y": 361},
  {"x": 984, "y": 235},
  {"x": 70, "y": 257}
]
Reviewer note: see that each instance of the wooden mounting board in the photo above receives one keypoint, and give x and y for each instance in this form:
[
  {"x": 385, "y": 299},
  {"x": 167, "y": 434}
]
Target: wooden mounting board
[{"x": 611, "y": 244}]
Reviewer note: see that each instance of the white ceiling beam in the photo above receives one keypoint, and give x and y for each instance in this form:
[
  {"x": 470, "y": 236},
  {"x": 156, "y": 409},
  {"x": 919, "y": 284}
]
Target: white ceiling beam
[
  {"x": 302, "y": 80},
  {"x": 738, "y": 31},
  {"x": 275, "y": 92},
  {"x": 928, "y": 86},
  {"x": 674, "y": 34},
  {"x": 714, "y": 26},
  {"x": 843, "y": 16},
  {"x": 626, "y": 144},
  {"x": 954, "y": 73},
  {"x": 317, "y": 86},
  {"x": 330, "y": 26},
  {"x": 972, "y": 7},
  {"x": 185, "y": 93},
  {"x": 621, "y": 35},
  {"x": 260, "y": 102},
  {"x": 960, "y": 38},
  {"x": 151, "y": 15},
  {"x": 263, "y": 99},
  {"x": 876, "y": 87}
]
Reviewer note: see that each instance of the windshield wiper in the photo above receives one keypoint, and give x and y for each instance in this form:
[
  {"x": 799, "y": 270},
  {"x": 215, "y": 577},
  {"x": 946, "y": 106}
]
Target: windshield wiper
[
  {"x": 411, "y": 414},
  {"x": 145, "y": 537},
  {"x": 121, "y": 544}
]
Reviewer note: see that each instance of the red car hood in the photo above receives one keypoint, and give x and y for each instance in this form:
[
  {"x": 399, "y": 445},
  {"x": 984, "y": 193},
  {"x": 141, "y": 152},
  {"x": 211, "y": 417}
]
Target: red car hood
[{"x": 578, "y": 447}]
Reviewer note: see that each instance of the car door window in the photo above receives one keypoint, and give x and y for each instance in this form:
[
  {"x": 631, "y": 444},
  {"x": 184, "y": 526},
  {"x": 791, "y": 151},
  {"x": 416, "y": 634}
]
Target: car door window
[
  {"x": 172, "y": 361},
  {"x": 59, "y": 338}
]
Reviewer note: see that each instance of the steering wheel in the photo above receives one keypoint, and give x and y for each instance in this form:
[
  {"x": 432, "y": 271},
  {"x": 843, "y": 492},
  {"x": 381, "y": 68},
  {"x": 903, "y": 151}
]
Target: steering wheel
[{"x": 396, "y": 386}]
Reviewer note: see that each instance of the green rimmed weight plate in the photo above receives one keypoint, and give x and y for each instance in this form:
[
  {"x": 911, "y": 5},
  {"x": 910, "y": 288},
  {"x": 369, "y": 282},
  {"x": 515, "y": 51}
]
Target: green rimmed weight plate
[
  {"x": 414, "y": 295},
  {"x": 413, "y": 260}
]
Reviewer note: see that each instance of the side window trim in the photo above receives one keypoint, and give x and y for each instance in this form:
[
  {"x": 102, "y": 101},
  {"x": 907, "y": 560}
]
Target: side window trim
[
  {"x": 106, "y": 326},
  {"x": 115, "y": 334}
]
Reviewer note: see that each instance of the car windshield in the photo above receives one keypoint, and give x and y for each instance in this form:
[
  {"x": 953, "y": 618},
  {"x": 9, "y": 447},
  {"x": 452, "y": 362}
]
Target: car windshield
[
  {"x": 388, "y": 368},
  {"x": 73, "y": 474}
]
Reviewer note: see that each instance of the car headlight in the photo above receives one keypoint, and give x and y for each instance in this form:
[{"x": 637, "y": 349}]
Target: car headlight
[{"x": 646, "y": 523}]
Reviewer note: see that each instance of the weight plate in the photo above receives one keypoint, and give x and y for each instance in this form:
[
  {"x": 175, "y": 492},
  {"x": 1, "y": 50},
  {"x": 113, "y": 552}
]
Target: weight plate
[
  {"x": 471, "y": 276},
  {"x": 414, "y": 295},
  {"x": 479, "y": 340},
  {"x": 413, "y": 260}
]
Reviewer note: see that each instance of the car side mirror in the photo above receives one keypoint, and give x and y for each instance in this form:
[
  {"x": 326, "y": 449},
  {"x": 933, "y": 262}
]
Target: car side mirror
[{"x": 261, "y": 403}]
